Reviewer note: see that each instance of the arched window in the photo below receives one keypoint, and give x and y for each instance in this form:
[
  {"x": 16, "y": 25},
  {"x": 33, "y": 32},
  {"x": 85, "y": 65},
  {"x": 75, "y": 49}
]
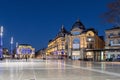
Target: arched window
[{"x": 76, "y": 43}]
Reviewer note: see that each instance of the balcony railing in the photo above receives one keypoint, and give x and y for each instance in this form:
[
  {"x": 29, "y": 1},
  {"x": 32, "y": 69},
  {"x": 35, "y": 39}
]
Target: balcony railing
[
  {"x": 114, "y": 44},
  {"x": 114, "y": 36},
  {"x": 90, "y": 46}
]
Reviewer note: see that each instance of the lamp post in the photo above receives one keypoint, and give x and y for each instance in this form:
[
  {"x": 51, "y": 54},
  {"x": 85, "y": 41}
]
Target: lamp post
[
  {"x": 17, "y": 50},
  {"x": 16, "y": 46},
  {"x": 11, "y": 42},
  {"x": 62, "y": 51},
  {"x": 1, "y": 42}
]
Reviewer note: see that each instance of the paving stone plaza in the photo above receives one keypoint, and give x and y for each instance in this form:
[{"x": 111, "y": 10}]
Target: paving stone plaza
[{"x": 58, "y": 70}]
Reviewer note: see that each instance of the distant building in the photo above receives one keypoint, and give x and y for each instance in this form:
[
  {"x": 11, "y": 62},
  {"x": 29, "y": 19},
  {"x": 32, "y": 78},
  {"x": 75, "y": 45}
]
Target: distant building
[
  {"x": 5, "y": 52},
  {"x": 40, "y": 53},
  {"x": 25, "y": 50},
  {"x": 113, "y": 43}
]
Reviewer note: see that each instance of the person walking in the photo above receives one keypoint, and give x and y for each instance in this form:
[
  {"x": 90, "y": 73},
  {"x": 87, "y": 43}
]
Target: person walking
[{"x": 26, "y": 58}]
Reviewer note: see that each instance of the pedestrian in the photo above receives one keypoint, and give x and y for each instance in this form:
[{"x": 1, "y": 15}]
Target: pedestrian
[{"x": 26, "y": 58}]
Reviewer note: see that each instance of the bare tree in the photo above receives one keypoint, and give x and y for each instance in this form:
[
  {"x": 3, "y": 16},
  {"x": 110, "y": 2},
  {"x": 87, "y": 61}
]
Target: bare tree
[{"x": 113, "y": 14}]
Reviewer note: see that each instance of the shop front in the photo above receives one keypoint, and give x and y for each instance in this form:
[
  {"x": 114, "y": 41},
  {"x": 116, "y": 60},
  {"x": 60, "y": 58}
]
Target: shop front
[
  {"x": 112, "y": 56},
  {"x": 76, "y": 55}
]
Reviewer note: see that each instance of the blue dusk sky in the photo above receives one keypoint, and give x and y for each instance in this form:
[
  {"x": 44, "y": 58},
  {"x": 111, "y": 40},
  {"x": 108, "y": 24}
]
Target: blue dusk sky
[{"x": 35, "y": 22}]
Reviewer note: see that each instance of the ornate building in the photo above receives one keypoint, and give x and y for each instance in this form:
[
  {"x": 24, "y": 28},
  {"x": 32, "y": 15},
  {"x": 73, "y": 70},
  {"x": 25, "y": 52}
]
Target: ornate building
[
  {"x": 25, "y": 50},
  {"x": 82, "y": 39},
  {"x": 113, "y": 43},
  {"x": 57, "y": 46},
  {"x": 74, "y": 44}
]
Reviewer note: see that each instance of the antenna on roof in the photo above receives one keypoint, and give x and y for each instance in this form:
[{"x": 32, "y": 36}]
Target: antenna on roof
[
  {"x": 78, "y": 20},
  {"x": 62, "y": 26}
]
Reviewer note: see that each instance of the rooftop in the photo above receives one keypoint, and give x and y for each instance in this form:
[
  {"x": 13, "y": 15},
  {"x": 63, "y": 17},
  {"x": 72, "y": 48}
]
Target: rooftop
[
  {"x": 118, "y": 27},
  {"x": 78, "y": 24}
]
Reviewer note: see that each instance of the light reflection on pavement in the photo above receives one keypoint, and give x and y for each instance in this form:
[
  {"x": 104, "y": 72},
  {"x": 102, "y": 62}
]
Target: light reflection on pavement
[{"x": 58, "y": 70}]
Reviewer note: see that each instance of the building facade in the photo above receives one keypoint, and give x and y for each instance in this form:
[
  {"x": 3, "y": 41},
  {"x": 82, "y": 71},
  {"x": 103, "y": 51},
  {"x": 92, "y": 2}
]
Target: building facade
[
  {"x": 113, "y": 43},
  {"x": 41, "y": 53},
  {"x": 57, "y": 46},
  {"x": 25, "y": 51},
  {"x": 74, "y": 44},
  {"x": 81, "y": 40}
]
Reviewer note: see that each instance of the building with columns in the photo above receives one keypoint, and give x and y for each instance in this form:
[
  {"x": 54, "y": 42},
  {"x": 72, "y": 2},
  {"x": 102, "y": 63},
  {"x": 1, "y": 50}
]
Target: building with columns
[
  {"x": 25, "y": 51},
  {"x": 74, "y": 44},
  {"x": 81, "y": 39}
]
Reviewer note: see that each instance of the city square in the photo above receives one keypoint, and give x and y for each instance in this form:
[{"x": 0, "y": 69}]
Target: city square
[
  {"x": 36, "y": 69},
  {"x": 60, "y": 40}
]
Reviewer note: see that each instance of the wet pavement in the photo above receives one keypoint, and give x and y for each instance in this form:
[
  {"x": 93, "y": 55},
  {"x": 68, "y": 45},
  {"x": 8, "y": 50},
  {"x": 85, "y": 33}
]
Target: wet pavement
[{"x": 58, "y": 70}]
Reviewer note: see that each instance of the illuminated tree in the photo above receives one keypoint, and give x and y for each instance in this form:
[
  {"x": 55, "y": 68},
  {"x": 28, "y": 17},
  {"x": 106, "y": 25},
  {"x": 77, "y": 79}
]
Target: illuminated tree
[{"x": 113, "y": 14}]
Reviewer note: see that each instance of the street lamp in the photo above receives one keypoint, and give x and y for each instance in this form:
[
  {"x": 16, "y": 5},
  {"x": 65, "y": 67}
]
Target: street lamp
[
  {"x": 89, "y": 39},
  {"x": 17, "y": 50},
  {"x": 11, "y": 42},
  {"x": 16, "y": 47},
  {"x": 62, "y": 51},
  {"x": 1, "y": 42}
]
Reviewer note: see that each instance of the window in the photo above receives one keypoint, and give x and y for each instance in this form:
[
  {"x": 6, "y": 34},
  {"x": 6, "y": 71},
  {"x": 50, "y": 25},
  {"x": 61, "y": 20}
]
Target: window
[
  {"x": 111, "y": 34},
  {"x": 76, "y": 43},
  {"x": 119, "y": 34},
  {"x": 89, "y": 34},
  {"x": 90, "y": 46},
  {"x": 111, "y": 42},
  {"x": 118, "y": 41},
  {"x": 90, "y": 39},
  {"x": 75, "y": 33}
]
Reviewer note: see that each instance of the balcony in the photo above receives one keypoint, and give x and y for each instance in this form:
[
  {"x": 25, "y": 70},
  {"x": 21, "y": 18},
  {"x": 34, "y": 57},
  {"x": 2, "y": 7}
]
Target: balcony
[
  {"x": 114, "y": 45},
  {"x": 114, "y": 36},
  {"x": 90, "y": 46}
]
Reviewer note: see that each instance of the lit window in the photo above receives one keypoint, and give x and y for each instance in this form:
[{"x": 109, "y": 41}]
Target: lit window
[
  {"x": 111, "y": 42},
  {"x": 76, "y": 41},
  {"x": 111, "y": 34},
  {"x": 89, "y": 39}
]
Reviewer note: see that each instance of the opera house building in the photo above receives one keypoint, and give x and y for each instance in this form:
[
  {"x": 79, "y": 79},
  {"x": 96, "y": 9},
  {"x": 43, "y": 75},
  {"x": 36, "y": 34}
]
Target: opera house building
[{"x": 78, "y": 43}]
